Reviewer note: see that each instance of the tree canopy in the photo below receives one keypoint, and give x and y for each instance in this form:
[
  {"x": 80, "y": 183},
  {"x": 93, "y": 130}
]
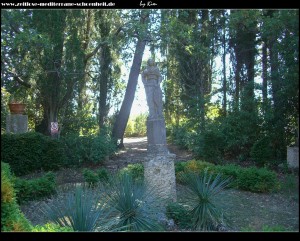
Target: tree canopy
[{"x": 230, "y": 77}]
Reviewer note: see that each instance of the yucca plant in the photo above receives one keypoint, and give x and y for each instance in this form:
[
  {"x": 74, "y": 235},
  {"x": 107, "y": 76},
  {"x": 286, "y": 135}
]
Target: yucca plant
[
  {"x": 135, "y": 206},
  {"x": 81, "y": 208},
  {"x": 201, "y": 193}
]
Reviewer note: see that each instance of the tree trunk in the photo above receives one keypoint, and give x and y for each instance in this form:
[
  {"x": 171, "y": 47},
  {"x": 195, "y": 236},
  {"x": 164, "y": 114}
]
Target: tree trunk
[
  {"x": 122, "y": 118},
  {"x": 105, "y": 61},
  {"x": 224, "y": 75},
  {"x": 264, "y": 76}
]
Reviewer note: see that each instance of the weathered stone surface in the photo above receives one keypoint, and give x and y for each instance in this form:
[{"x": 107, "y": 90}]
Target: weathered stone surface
[
  {"x": 160, "y": 176},
  {"x": 293, "y": 156},
  {"x": 156, "y": 134},
  {"x": 152, "y": 78},
  {"x": 16, "y": 123},
  {"x": 159, "y": 165}
]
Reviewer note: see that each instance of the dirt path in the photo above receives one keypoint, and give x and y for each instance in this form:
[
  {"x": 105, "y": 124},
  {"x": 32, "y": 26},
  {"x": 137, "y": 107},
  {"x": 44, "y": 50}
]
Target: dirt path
[
  {"x": 135, "y": 152},
  {"x": 244, "y": 209}
]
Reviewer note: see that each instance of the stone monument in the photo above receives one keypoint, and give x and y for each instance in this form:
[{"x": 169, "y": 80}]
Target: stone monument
[
  {"x": 159, "y": 164},
  {"x": 16, "y": 123}
]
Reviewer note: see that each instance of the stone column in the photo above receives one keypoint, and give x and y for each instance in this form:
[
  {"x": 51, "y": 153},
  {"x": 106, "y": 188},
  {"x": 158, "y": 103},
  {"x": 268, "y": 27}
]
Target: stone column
[
  {"x": 16, "y": 123},
  {"x": 159, "y": 164}
]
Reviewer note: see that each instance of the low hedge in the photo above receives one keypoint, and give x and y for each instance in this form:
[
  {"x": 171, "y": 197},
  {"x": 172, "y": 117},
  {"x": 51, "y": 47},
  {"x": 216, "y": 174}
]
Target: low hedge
[
  {"x": 249, "y": 179},
  {"x": 30, "y": 152},
  {"x": 33, "y": 151},
  {"x": 35, "y": 189}
]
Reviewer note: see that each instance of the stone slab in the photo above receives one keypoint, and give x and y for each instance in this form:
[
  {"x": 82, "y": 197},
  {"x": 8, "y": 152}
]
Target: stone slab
[{"x": 16, "y": 123}]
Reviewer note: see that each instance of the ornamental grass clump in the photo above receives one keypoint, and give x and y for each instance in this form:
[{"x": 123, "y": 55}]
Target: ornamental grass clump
[
  {"x": 201, "y": 198},
  {"x": 81, "y": 208},
  {"x": 134, "y": 205}
]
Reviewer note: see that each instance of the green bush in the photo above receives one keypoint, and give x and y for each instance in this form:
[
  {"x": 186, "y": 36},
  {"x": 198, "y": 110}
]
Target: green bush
[
  {"x": 266, "y": 228},
  {"x": 192, "y": 166},
  {"x": 93, "y": 177},
  {"x": 88, "y": 149},
  {"x": 262, "y": 151},
  {"x": 135, "y": 170},
  {"x": 179, "y": 214},
  {"x": 257, "y": 180},
  {"x": 229, "y": 171},
  {"x": 51, "y": 227},
  {"x": 103, "y": 174},
  {"x": 182, "y": 136},
  {"x": 90, "y": 177},
  {"x": 30, "y": 152},
  {"x": 35, "y": 189},
  {"x": 12, "y": 219},
  {"x": 210, "y": 146},
  {"x": 179, "y": 166},
  {"x": 250, "y": 179}
]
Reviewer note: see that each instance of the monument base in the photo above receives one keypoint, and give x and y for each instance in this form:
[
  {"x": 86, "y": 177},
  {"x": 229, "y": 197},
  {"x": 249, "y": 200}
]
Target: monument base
[
  {"x": 16, "y": 123},
  {"x": 160, "y": 176}
]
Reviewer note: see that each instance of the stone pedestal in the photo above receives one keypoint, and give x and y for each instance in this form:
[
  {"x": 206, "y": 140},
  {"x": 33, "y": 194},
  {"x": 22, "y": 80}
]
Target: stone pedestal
[
  {"x": 16, "y": 123},
  {"x": 160, "y": 176},
  {"x": 293, "y": 156}
]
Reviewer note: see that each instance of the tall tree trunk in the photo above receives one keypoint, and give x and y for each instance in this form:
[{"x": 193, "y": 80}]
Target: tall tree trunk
[
  {"x": 279, "y": 142},
  {"x": 105, "y": 60},
  {"x": 224, "y": 75},
  {"x": 237, "y": 84},
  {"x": 264, "y": 76},
  {"x": 122, "y": 118}
]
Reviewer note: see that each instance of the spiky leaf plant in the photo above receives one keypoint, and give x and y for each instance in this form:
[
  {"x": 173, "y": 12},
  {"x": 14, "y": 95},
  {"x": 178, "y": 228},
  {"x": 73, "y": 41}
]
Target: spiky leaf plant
[
  {"x": 201, "y": 194},
  {"x": 135, "y": 207},
  {"x": 81, "y": 208}
]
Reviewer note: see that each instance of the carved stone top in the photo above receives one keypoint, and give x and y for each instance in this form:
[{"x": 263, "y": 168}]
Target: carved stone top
[
  {"x": 151, "y": 75},
  {"x": 152, "y": 78}
]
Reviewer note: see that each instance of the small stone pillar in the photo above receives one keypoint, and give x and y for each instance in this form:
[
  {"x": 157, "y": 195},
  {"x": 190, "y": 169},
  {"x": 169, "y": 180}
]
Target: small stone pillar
[
  {"x": 159, "y": 164},
  {"x": 293, "y": 156},
  {"x": 16, "y": 123}
]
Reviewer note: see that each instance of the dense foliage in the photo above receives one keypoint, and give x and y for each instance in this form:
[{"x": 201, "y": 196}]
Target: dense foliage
[
  {"x": 230, "y": 77},
  {"x": 31, "y": 151},
  {"x": 250, "y": 179},
  {"x": 12, "y": 218},
  {"x": 35, "y": 189}
]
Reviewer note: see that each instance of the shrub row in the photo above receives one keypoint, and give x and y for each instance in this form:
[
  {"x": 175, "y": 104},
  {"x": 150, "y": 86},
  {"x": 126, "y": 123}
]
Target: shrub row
[
  {"x": 102, "y": 175},
  {"x": 249, "y": 179},
  {"x": 32, "y": 151},
  {"x": 35, "y": 189},
  {"x": 87, "y": 149}
]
